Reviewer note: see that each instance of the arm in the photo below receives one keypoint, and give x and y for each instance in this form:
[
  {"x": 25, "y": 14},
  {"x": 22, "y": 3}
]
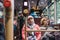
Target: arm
[
  {"x": 23, "y": 33},
  {"x": 38, "y": 34}
]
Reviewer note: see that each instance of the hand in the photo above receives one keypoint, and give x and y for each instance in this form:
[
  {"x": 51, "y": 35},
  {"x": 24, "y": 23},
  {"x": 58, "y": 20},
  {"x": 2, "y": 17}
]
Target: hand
[
  {"x": 30, "y": 32},
  {"x": 15, "y": 37}
]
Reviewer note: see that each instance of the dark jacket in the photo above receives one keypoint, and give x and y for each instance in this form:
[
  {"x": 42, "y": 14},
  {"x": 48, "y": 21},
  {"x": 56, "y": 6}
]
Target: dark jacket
[
  {"x": 1, "y": 31},
  {"x": 48, "y": 35},
  {"x": 57, "y": 35},
  {"x": 21, "y": 21}
]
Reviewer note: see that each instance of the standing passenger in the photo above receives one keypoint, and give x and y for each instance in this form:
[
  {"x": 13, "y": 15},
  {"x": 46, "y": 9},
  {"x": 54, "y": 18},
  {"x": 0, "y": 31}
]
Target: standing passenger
[{"x": 20, "y": 22}]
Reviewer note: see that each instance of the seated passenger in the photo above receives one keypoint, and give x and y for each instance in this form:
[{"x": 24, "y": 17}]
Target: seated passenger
[
  {"x": 31, "y": 26},
  {"x": 45, "y": 23},
  {"x": 45, "y": 26}
]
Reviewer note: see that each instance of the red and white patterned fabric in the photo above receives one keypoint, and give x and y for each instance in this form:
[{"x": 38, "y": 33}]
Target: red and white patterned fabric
[{"x": 37, "y": 34}]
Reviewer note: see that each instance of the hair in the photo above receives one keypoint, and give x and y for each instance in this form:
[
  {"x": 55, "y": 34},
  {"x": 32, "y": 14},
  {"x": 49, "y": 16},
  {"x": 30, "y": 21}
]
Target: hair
[{"x": 42, "y": 21}]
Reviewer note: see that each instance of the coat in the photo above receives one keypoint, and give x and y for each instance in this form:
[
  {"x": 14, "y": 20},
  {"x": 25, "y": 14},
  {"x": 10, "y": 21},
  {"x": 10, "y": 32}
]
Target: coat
[
  {"x": 37, "y": 34},
  {"x": 48, "y": 35},
  {"x": 57, "y": 35}
]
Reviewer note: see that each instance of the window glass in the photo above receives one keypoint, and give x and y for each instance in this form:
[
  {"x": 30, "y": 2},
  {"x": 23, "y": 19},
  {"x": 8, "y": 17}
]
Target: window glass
[{"x": 58, "y": 11}]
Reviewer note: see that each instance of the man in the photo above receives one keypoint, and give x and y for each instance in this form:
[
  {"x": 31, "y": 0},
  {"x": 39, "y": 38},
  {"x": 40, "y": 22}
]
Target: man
[
  {"x": 31, "y": 26},
  {"x": 20, "y": 22}
]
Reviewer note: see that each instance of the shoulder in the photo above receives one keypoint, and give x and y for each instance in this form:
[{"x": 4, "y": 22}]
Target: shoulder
[
  {"x": 37, "y": 26},
  {"x": 43, "y": 28},
  {"x": 50, "y": 28}
]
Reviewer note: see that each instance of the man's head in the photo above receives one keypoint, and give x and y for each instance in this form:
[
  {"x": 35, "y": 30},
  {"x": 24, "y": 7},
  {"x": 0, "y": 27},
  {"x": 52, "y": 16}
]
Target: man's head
[
  {"x": 20, "y": 13},
  {"x": 30, "y": 20}
]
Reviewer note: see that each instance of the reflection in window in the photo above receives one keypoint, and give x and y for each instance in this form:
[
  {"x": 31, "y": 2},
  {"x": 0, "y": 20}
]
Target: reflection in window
[
  {"x": 51, "y": 10},
  {"x": 58, "y": 11}
]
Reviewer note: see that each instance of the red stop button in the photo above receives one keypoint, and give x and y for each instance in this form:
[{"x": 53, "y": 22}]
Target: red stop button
[{"x": 7, "y": 3}]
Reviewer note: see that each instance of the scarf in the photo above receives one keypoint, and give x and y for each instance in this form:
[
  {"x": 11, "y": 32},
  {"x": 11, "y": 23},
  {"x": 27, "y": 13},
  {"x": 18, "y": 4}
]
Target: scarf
[{"x": 31, "y": 35}]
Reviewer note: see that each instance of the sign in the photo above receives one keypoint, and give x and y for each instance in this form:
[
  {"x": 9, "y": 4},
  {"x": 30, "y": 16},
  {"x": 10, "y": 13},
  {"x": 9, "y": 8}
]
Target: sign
[
  {"x": 25, "y": 3},
  {"x": 7, "y": 3}
]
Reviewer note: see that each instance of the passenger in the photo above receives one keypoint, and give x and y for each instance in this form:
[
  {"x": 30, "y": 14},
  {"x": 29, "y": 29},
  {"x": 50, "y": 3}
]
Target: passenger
[
  {"x": 20, "y": 22},
  {"x": 15, "y": 24},
  {"x": 31, "y": 25},
  {"x": 45, "y": 23},
  {"x": 15, "y": 28},
  {"x": 45, "y": 26},
  {"x": 2, "y": 36}
]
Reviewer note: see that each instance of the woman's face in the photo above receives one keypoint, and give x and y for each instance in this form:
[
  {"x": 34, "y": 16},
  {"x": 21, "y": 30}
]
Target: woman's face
[
  {"x": 30, "y": 20},
  {"x": 46, "y": 22}
]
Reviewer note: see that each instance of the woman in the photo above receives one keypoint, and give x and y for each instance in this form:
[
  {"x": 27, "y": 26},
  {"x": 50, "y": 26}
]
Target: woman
[
  {"x": 45, "y": 26},
  {"x": 31, "y": 26}
]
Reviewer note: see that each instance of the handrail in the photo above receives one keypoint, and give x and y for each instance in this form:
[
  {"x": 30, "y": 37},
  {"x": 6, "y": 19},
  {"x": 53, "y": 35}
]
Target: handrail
[{"x": 40, "y": 30}]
